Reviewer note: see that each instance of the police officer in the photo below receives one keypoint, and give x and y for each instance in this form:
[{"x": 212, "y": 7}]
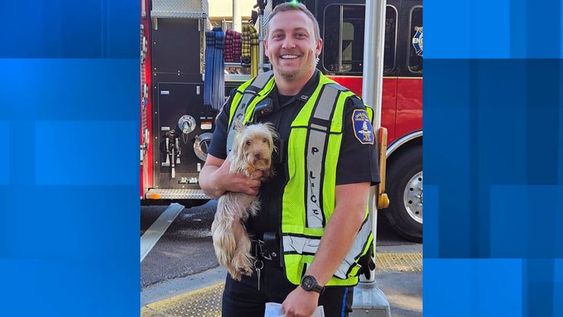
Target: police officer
[{"x": 313, "y": 225}]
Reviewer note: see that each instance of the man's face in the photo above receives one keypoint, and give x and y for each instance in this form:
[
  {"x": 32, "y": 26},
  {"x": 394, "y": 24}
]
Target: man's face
[{"x": 291, "y": 45}]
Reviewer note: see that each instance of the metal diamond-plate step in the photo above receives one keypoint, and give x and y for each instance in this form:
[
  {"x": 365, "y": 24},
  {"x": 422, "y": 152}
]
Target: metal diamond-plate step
[
  {"x": 193, "y": 9},
  {"x": 162, "y": 193}
]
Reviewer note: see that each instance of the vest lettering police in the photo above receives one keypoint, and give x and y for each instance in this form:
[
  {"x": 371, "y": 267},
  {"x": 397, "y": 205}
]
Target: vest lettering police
[{"x": 312, "y": 156}]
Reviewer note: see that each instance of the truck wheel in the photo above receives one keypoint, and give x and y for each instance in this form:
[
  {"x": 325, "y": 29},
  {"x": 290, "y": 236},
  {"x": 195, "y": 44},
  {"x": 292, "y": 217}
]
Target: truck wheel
[{"x": 404, "y": 187}]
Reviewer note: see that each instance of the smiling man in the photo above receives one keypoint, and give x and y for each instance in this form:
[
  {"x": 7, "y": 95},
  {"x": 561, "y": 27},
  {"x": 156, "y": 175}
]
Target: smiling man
[
  {"x": 293, "y": 45},
  {"x": 312, "y": 229}
]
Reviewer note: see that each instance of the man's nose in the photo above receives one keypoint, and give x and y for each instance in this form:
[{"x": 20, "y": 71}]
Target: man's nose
[{"x": 288, "y": 42}]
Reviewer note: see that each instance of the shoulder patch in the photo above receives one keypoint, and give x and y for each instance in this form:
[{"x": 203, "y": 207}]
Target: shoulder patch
[{"x": 363, "y": 129}]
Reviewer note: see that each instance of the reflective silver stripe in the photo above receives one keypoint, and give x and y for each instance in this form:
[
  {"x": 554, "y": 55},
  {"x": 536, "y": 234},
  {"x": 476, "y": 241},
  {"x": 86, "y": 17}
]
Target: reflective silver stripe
[
  {"x": 319, "y": 127},
  {"x": 300, "y": 244},
  {"x": 327, "y": 101},
  {"x": 262, "y": 79},
  {"x": 310, "y": 245},
  {"x": 356, "y": 250},
  {"x": 259, "y": 83},
  {"x": 316, "y": 153}
]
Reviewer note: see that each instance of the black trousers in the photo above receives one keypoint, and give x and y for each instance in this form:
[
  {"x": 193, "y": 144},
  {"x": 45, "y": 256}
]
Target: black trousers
[{"x": 243, "y": 299}]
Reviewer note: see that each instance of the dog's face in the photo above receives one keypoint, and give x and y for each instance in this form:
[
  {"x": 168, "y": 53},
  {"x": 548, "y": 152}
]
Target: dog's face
[{"x": 254, "y": 145}]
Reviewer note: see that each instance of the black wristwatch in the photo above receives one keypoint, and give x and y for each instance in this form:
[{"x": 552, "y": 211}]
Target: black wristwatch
[{"x": 309, "y": 283}]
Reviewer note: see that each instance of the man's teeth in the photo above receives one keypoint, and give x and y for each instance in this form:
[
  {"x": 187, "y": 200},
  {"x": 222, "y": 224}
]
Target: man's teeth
[{"x": 289, "y": 56}]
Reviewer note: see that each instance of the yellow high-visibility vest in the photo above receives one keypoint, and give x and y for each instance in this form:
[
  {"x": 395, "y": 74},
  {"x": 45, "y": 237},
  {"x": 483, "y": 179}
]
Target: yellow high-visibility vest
[{"x": 308, "y": 198}]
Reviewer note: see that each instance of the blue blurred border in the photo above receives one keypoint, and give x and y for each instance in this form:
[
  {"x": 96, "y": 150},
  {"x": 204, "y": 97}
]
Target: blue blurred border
[
  {"x": 493, "y": 158},
  {"x": 69, "y": 158}
]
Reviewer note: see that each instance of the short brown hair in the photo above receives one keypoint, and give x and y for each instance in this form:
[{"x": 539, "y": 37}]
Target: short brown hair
[{"x": 291, "y": 6}]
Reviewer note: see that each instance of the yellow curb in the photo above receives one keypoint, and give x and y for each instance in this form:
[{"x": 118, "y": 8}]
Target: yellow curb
[{"x": 203, "y": 302}]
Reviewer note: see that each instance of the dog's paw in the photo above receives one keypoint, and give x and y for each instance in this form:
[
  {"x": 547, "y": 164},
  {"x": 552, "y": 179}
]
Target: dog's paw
[
  {"x": 243, "y": 263},
  {"x": 246, "y": 271},
  {"x": 235, "y": 274},
  {"x": 246, "y": 265}
]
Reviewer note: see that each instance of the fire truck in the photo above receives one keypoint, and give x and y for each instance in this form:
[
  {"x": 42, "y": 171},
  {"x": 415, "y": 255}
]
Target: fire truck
[{"x": 177, "y": 124}]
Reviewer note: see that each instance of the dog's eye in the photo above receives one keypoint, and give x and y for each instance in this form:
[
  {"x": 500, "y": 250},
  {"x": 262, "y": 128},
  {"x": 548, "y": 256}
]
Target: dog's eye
[
  {"x": 265, "y": 140},
  {"x": 248, "y": 143}
]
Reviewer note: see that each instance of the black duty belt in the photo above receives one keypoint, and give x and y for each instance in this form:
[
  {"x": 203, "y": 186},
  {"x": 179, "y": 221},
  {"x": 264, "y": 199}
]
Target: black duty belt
[{"x": 266, "y": 249}]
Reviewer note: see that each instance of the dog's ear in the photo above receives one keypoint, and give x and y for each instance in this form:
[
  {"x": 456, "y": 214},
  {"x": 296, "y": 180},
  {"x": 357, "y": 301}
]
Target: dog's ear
[
  {"x": 236, "y": 156},
  {"x": 273, "y": 133},
  {"x": 272, "y": 129},
  {"x": 237, "y": 152}
]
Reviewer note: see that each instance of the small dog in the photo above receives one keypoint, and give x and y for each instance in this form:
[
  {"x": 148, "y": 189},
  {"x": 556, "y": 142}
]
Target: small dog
[{"x": 252, "y": 151}]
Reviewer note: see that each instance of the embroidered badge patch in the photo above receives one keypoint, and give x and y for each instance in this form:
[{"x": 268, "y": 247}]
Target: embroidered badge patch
[{"x": 362, "y": 127}]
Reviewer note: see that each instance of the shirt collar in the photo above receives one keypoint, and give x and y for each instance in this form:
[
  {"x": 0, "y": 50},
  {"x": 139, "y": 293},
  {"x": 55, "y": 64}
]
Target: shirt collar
[{"x": 305, "y": 92}]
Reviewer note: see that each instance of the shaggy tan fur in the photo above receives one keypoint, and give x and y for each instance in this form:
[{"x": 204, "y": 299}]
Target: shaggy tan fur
[{"x": 252, "y": 150}]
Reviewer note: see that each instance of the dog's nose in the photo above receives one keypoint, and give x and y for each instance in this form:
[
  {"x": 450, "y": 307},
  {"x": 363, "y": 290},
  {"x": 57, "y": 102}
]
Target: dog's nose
[{"x": 257, "y": 156}]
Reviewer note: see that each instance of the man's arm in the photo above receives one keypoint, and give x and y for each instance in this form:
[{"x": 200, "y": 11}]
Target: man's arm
[
  {"x": 215, "y": 179},
  {"x": 341, "y": 230}
]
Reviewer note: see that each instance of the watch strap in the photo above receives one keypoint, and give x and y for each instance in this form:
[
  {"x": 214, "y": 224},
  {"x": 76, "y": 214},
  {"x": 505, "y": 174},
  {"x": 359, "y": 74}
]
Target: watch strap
[{"x": 309, "y": 283}]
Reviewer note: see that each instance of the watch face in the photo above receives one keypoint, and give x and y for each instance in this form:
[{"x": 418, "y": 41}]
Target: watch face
[{"x": 308, "y": 282}]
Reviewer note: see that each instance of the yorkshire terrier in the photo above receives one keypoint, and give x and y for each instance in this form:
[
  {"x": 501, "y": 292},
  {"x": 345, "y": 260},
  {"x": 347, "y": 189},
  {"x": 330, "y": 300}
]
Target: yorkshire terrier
[{"x": 252, "y": 151}]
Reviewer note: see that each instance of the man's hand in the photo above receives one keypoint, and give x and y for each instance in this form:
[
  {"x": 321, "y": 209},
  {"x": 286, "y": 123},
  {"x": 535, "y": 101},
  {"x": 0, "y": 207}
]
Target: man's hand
[
  {"x": 238, "y": 183},
  {"x": 300, "y": 303},
  {"x": 215, "y": 179}
]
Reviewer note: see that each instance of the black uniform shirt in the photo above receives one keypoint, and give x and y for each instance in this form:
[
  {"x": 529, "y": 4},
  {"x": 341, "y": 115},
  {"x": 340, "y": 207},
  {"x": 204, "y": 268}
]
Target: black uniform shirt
[{"x": 357, "y": 163}]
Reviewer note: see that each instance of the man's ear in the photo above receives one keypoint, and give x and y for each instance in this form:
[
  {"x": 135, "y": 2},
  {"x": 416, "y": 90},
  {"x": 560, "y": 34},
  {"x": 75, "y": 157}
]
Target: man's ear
[{"x": 319, "y": 47}]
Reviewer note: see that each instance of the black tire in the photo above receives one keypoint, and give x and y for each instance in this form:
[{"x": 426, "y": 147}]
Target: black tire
[{"x": 400, "y": 174}]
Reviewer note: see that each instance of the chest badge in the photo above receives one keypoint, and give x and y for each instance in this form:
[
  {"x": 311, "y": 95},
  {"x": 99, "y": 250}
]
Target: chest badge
[{"x": 363, "y": 129}]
